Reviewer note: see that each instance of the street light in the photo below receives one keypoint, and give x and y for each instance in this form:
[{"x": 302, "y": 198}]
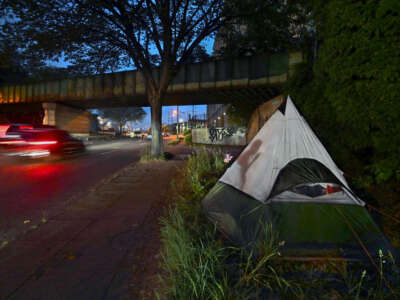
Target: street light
[{"x": 101, "y": 122}]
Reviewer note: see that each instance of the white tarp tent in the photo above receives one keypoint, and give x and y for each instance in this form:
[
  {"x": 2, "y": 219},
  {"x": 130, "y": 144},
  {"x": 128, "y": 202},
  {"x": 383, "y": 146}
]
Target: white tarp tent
[{"x": 282, "y": 139}]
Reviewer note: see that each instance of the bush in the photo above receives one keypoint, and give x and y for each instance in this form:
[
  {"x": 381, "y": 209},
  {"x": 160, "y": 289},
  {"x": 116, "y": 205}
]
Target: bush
[
  {"x": 352, "y": 98},
  {"x": 188, "y": 137},
  {"x": 350, "y": 94},
  {"x": 174, "y": 142}
]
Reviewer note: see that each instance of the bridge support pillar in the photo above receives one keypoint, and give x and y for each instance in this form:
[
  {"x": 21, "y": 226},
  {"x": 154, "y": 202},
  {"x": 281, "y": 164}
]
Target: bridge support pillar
[
  {"x": 49, "y": 117},
  {"x": 75, "y": 120}
]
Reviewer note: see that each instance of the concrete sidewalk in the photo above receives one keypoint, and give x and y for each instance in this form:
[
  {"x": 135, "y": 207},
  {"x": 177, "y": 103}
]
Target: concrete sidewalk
[{"x": 87, "y": 250}]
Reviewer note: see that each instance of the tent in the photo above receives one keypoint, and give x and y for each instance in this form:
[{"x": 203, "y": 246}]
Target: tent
[{"x": 286, "y": 178}]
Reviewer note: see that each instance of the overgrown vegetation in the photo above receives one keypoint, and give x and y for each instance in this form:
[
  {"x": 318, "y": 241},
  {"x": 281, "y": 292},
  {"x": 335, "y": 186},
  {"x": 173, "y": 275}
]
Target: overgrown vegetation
[
  {"x": 349, "y": 94},
  {"x": 187, "y": 137},
  {"x": 357, "y": 81},
  {"x": 175, "y": 142},
  {"x": 199, "y": 263}
]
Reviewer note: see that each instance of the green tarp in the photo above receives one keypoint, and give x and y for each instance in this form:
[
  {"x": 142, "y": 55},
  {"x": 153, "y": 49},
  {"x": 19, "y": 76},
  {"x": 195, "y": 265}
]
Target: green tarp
[{"x": 308, "y": 229}]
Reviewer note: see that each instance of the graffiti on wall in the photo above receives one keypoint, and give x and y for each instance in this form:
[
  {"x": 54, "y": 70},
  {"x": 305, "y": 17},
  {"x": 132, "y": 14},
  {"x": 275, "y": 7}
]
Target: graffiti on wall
[{"x": 218, "y": 134}]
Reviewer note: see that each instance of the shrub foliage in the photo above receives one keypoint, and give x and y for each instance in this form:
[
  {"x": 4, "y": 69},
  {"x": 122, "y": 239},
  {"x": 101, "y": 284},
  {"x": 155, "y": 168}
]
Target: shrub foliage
[{"x": 351, "y": 94}]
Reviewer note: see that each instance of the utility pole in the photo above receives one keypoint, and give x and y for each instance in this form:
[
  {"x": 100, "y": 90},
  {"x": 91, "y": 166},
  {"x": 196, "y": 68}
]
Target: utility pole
[
  {"x": 192, "y": 120},
  {"x": 177, "y": 120}
]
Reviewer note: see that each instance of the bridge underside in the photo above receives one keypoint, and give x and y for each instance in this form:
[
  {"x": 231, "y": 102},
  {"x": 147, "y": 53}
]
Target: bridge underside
[
  {"x": 184, "y": 98},
  {"x": 219, "y": 96},
  {"x": 212, "y": 82},
  {"x": 63, "y": 102}
]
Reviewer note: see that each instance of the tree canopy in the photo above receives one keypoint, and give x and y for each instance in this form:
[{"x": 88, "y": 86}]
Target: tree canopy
[
  {"x": 122, "y": 115},
  {"x": 265, "y": 26},
  {"x": 350, "y": 94}
]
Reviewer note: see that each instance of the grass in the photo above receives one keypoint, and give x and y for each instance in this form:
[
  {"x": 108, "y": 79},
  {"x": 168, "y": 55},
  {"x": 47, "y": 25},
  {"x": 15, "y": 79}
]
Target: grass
[
  {"x": 199, "y": 263},
  {"x": 188, "y": 137},
  {"x": 146, "y": 156},
  {"x": 174, "y": 142}
]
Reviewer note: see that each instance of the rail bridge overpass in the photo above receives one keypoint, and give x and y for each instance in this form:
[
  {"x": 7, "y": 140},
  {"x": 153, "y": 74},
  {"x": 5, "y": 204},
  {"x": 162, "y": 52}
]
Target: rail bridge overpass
[{"x": 210, "y": 82}]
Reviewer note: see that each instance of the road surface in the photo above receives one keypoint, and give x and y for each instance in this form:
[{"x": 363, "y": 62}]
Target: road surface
[{"x": 32, "y": 187}]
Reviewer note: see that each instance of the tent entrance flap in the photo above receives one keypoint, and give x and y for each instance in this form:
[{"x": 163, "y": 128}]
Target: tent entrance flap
[{"x": 302, "y": 171}]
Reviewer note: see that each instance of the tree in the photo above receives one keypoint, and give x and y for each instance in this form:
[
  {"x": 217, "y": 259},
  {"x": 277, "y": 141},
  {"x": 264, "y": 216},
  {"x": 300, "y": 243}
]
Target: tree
[
  {"x": 18, "y": 65},
  {"x": 111, "y": 33},
  {"x": 122, "y": 115},
  {"x": 351, "y": 92},
  {"x": 265, "y": 26}
]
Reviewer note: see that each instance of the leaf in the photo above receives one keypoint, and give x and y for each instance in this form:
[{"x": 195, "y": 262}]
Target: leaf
[{"x": 3, "y": 244}]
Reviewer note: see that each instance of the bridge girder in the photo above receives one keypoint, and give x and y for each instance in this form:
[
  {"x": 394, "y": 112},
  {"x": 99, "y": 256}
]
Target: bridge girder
[{"x": 218, "y": 81}]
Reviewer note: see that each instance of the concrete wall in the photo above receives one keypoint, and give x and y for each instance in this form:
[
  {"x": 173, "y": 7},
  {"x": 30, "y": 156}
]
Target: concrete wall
[
  {"x": 233, "y": 136},
  {"x": 72, "y": 119}
]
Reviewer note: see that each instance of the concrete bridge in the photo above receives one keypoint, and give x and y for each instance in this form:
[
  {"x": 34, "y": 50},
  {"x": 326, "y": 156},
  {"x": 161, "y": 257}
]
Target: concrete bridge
[{"x": 217, "y": 81}]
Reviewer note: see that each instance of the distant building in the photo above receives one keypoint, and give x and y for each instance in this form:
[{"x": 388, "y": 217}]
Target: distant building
[{"x": 217, "y": 115}]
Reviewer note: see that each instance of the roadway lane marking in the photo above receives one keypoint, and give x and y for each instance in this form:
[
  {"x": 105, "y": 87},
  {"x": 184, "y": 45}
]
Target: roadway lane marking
[{"x": 107, "y": 152}]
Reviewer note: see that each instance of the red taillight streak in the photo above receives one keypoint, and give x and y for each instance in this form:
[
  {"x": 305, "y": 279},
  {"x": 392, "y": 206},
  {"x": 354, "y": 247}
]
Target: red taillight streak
[
  {"x": 29, "y": 143},
  {"x": 3, "y": 129},
  {"x": 43, "y": 143},
  {"x": 12, "y": 142},
  {"x": 25, "y": 127}
]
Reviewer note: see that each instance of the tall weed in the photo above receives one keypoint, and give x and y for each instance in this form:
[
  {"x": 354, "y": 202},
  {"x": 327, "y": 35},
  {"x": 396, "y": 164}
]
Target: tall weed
[{"x": 192, "y": 264}]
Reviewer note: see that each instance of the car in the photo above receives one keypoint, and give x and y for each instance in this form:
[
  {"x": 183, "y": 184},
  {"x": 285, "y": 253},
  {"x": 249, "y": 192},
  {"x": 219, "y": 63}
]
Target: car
[
  {"x": 40, "y": 142},
  {"x": 8, "y": 130},
  {"x": 10, "y": 133}
]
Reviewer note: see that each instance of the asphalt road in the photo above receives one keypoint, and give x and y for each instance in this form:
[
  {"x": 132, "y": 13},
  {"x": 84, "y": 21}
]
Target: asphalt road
[{"x": 29, "y": 187}]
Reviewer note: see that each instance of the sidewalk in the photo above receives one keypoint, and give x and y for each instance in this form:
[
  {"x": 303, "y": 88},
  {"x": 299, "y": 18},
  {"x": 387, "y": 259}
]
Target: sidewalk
[{"x": 89, "y": 250}]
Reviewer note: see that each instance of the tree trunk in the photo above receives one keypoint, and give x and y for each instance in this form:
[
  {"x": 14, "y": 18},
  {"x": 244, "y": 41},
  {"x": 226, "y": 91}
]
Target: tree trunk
[{"x": 156, "y": 140}]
